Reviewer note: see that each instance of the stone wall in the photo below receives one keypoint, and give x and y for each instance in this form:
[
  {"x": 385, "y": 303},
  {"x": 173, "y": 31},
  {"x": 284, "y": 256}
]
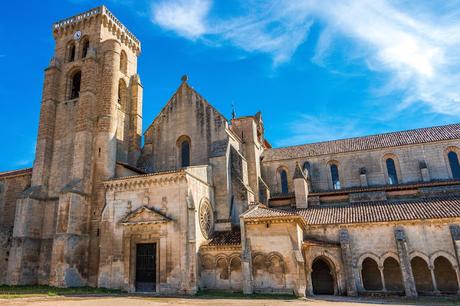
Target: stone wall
[{"x": 11, "y": 188}]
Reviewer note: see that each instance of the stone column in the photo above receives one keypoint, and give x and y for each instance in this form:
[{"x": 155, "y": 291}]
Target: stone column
[
  {"x": 300, "y": 291},
  {"x": 246, "y": 259},
  {"x": 300, "y": 188},
  {"x": 347, "y": 260},
  {"x": 455, "y": 233},
  {"x": 404, "y": 259},
  {"x": 433, "y": 280},
  {"x": 382, "y": 277}
]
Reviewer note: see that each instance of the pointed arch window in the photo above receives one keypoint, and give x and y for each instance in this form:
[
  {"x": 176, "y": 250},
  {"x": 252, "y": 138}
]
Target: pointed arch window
[
  {"x": 71, "y": 52},
  {"x": 284, "y": 181},
  {"x": 85, "y": 47},
  {"x": 335, "y": 176},
  {"x": 454, "y": 164},
  {"x": 185, "y": 153},
  {"x": 391, "y": 170},
  {"x": 75, "y": 85}
]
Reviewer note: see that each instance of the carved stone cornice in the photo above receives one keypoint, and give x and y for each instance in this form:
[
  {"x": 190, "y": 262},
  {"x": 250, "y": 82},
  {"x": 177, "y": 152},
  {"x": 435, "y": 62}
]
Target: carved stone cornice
[{"x": 144, "y": 181}]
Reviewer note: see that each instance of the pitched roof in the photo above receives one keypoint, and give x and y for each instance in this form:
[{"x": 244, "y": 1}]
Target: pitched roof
[
  {"x": 368, "y": 212},
  {"x": 383, "y": 211},
  {"x": 416, "y": 136},
  {"x": 225, "y": 238},
  {"x": 15, "y": 172}
]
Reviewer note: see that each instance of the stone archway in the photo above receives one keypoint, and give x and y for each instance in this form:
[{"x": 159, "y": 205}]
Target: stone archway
[
  {"x": 446, "y": 278},
  {"x": 370, "y": 275},
  {"x": 392, "y": 275},
  {"x": 422, "y": 275},
  {"x": 322, "y": 277}
]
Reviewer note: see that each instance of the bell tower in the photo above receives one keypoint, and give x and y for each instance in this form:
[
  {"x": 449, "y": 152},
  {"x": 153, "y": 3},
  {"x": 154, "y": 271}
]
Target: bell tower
[{"x": 90, "y": 119}]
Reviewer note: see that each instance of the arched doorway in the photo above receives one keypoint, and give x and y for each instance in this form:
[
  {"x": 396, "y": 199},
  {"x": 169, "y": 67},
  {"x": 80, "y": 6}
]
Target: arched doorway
[
  {"x": 446, "y": 278},
  {"x": 321, "y": 277},
  {"x": 370, "y": 274},
  {"x": 422, "y": 275}
]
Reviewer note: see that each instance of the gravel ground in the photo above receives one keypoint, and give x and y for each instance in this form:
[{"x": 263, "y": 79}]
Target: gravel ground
[{"x": 139, "y": 300}]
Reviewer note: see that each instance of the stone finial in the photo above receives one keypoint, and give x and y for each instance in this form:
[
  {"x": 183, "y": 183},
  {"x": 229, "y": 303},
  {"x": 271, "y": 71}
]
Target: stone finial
[
  {"x": 298, "y": 172},
  {"x": 184, "y": 78},
  {"x": 54, "y": 62}
]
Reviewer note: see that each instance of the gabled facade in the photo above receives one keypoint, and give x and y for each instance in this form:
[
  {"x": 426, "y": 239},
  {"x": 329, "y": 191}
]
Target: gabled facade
[{"x": 206, "y": 203}]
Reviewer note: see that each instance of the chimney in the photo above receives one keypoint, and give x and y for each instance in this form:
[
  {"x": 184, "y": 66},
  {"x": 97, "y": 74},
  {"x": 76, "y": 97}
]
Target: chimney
[{"x": 300, "y": 187}]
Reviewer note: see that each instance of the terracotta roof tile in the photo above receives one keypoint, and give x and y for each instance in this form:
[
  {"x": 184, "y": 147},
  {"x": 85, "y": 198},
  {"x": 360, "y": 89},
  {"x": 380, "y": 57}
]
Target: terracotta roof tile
[
  {"x": 367, "y": 212},
  {"x": 394, "y": 139},
  {"x": 383, "y": 211},
  {"x": 225, "y": 238}
]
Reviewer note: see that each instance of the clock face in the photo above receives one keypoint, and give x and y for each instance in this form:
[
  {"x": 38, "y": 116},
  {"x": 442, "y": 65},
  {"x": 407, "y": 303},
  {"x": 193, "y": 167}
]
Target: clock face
[{"x": 77, "y": 35}]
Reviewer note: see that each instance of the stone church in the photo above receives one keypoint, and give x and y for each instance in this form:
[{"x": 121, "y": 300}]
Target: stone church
[{"x": 206, "y": 203}]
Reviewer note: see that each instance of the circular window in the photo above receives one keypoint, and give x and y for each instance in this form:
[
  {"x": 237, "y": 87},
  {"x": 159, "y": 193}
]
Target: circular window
[{"x": 206, "y": 219}]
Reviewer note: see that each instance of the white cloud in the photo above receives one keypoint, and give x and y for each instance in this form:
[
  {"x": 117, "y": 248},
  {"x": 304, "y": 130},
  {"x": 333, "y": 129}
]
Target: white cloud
[
  {"x": 416, "y": 48},
  {"x": 314, "y": 128},
  {"x": 186, "y": 17}
]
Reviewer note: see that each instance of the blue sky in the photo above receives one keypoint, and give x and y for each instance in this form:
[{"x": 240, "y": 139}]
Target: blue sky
[{"x": 318, "y": 70}]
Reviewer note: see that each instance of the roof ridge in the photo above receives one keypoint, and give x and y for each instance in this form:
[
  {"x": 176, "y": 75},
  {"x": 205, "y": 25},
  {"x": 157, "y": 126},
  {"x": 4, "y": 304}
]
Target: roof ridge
[{"x": 370, "y": 135}]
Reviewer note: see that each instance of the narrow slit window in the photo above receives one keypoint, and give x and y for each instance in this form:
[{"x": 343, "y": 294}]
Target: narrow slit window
[
  {"x": 335, "y": 176},
  {"x": 284, "y": 181},
  {"x": 391, "y": 170},
  {"x": 185, "y": 153},
  {"x": 454, "y": 165}
]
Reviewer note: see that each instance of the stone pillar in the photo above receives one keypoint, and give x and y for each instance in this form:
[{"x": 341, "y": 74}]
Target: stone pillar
[
  {"x": 455, "y": 233},
  {"x": 433, "y": 280},
  {"x": 404, "y": 259},
  {"x": 382, "y": 277},
  {"x": 347, "y": 259},
  {"x": 363, "y": 177},
  {"x": 301, "y": 288},
  {"x": 424, "y": 171},
  {"x": 300, "y": 187},
  {"x": 135, "y": 120},
  {"x": 246, "y": 259}
]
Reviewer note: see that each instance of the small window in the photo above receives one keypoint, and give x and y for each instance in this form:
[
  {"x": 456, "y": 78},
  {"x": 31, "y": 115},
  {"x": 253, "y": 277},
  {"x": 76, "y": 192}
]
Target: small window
[
  {"x": 454, "y": 165},
  {"x": 335, "y": 176},
  {"x": 123, "y": 62},
  {"x": 284, "y": 181},
  {"x": 391, "y": 170},
  {"x": 75, "y": 85},
  {"x": 185, "y": 153},
  {"x": 84, "y": 50},
  {"x": 71, "y": 54}
]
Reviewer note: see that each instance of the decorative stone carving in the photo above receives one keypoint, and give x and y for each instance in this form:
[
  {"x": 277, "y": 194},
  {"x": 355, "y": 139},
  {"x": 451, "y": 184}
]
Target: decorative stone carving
[{"x": 206, "y": 219}]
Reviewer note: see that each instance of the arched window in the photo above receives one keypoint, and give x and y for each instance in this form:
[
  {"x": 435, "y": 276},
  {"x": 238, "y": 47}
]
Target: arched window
[
  {"x": 75, "y": 85},
  {"x": 284, "y": 181},
  {"x": 391, "y": 170},
  {"x": 335, "y": 176},
  {"x": 71, "y": 52},
  {"x": 306, "y": 167},
  {"x": 123, "y": 62},
  {"x": 454, "y": 164},
  {"x": 85, "y": 47},
  {"x": 185, "y": 153}
]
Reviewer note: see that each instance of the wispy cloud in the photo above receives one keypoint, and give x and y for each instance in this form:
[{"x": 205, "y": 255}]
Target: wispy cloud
[
  {"x": 308, "y": 128},
  {"x": 186, "y": 17},
  {"x": 417, "y": 48}
]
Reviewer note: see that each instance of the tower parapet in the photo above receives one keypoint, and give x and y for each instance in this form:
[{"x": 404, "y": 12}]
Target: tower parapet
[{"x": 109, "y": 21}]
